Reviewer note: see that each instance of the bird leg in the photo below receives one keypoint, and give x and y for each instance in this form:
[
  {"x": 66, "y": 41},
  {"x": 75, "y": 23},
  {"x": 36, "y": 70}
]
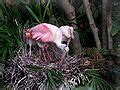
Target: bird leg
[
  {"x": 44, "y": 55},
  {"x": 45, "y": 51},
  {"x": 68, "y": 42},
  {"x": 48, "y": 55},
  {"x": 30, "y": 47}
]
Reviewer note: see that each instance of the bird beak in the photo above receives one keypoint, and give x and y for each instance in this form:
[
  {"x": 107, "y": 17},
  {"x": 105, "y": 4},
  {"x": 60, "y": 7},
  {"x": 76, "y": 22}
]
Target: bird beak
[
  {"x": 72, "y": 36},
  {"x": 71, "y": 32}
]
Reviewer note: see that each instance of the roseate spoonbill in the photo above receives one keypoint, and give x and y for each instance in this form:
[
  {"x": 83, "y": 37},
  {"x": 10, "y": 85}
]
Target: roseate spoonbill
[{"x": 50, "y": 33}]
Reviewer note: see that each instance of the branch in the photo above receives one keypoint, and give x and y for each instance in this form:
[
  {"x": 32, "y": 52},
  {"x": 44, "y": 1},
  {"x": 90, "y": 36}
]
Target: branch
[{"x": 92, "y": 23}]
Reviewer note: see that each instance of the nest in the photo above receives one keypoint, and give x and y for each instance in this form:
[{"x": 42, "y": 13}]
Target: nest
[{"x": 21, "y": 73}]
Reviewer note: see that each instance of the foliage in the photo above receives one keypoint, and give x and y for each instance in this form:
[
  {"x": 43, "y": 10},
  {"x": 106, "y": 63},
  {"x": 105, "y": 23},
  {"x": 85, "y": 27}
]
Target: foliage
[
  {"x": 94, "y": 53},
  {"x": 40, "y": 13},
  {"x": 34, "y": 72},
  {"x": 92, "y": 80},
  {"x": 11, "y": 32},
  {"x": 54, "y": 78},
  {"x": 36, "y": 77},
  {"x": 7, "y": 42},
  {"x": 83, "y": 36},
  {"x": 16, "y": 19},
  {"x": 95, "y": 81},
  {"x": 115, "y": 18},
  {"x": 115, "y": 29},
  {"x": 90, "y": 52},
  {"x": 94, "y": 9},
  {"x": 2, "y": 70}
]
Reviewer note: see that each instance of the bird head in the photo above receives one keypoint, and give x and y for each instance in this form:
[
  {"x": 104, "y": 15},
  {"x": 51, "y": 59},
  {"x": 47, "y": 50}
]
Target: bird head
[
  {"x": 28, "y": 34},
  {"x": 67, "y": 31}
]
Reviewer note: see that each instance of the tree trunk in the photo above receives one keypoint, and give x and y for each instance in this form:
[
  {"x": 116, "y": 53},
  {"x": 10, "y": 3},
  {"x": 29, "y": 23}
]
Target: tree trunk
[
  {"x": 92, "y": 23},
  {"x": 109, "y": 23},
  {"x": 104, "y": 23},
  {"x": 70, "y": 13},
  {"x": 9, "y": 3},
  {"x": 76, "y": 45}
]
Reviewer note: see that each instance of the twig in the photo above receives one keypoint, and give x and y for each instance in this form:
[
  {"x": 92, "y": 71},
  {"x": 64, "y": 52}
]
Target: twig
[
  {"x": 12, "y": 74},
  {"x": 20, "y": 81},
  {"x": 20, "y": 68}
]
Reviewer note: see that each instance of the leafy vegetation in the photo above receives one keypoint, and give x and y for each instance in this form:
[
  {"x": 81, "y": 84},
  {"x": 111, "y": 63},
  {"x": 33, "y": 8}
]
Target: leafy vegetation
[
  {"x": 21, "y": 73},
  {"x": 54, "y": 78},
  {"x": 115, "y": 29},
  {"x": 10, "y": 33},
  {"x": 13, "y": 26},
  {"x": 38, "y": 12},
  {"x": 95, "y": 81}
]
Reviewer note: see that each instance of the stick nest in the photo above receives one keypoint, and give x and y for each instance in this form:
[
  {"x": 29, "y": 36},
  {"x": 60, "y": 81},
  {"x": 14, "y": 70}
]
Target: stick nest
[{"x": 20, "y": 75}]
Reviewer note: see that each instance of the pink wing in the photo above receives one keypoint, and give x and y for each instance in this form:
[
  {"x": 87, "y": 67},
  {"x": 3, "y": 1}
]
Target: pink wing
[
  {"x": 48, "y": 37},
  {"x": 37, "y": 35},
  {"x": 41, "y": 33},
  {"x": 40, "y": 29}
]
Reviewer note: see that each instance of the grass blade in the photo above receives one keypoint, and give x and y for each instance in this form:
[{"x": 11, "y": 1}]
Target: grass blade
[{"x": 33, "y": 14}]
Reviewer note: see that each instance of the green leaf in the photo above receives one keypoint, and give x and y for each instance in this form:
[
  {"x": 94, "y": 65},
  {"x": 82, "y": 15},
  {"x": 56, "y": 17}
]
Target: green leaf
[
  {"x": 50, "y": 77},
  {"x": 114, "y": 31},
  {"x": 11, "y": 51},
  {"x": 2, "y": 68},
  {"x": 46, "y": 8},
  {"x": 91, "y": 73},
  {"x": 104, "y": 84},
  {"x": 56, "y": 74},
  {"x": 35, "y": 68},
  {"x": 4, "y": 53},
  {"x": 38, "y": 8},
  {"x": 82, "y": 88},
  {"x": 97, "y": 83},
  {"x": 81, "y": 10},
  {"x": 32, "y": 14}
]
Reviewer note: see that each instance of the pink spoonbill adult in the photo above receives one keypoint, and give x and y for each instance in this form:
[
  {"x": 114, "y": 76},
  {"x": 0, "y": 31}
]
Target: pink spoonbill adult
[{"x": 44, "y": 32}]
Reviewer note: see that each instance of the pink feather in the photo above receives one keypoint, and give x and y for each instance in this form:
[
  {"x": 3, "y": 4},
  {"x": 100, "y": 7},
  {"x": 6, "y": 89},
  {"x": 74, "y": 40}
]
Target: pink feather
[{"x": 41, "y": 33}]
